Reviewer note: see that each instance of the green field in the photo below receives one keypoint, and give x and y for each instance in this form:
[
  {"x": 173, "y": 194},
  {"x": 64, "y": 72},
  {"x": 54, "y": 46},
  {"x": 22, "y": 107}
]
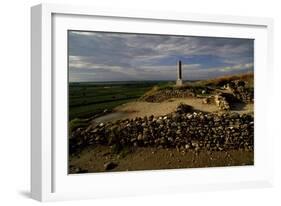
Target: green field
[{"x": 87, "y": 99}]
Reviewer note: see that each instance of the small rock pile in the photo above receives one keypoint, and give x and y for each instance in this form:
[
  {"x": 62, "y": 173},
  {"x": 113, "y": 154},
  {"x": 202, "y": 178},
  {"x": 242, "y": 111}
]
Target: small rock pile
[
  {"x": 180, "y": 129},
  {"x": 166, "y": 94},
  {"x": 220, "y": 99},
  {"x": 183, "y": 108},
  {"x": 221, "y": 102},
  {"x": 240, "y": 91},
  {"x": 208, "y": 100}
]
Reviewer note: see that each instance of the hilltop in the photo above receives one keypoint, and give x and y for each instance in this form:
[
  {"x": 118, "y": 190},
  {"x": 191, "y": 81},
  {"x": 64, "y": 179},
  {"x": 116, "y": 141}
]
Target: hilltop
[{"x": 199, "y": 124}]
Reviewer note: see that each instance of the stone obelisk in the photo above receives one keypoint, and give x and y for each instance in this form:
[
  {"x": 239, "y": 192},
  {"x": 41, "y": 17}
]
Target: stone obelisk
[{"x": 179, "y": 72}]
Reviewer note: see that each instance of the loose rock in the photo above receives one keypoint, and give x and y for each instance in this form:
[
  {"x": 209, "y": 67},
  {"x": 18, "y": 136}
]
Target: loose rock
[{"x": 110, "y": 165}]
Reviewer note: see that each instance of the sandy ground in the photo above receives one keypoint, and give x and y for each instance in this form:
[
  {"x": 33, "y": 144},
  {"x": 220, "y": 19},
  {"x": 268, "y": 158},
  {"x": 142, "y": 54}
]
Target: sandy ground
[
  {"x": 93, "y": 159},
  {"x": 135, "y": 109},
  {"x": 140, "y": 109}
]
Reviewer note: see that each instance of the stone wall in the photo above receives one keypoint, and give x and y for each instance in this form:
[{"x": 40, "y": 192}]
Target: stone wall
[
  {"x": 181, "y": 129},
  {"x": 240, "y": 91},
  {"x": 165, "y": 94},
  {"x": 236, "y": 92}
]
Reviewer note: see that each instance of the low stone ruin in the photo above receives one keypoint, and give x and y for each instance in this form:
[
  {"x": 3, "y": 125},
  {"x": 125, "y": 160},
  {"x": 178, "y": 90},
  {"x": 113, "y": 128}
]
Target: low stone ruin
[
  {"x": 166, "y": 94},
  {"x": 237, "y": 92},
  {"x": 240, "y": 91},
  {"x": 183, "y": 108},
  {"x": 180, "y": 129},
  {"x": 221, "y": 102}
]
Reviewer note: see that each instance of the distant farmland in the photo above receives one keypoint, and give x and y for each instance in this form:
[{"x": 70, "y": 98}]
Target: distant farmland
[{"x": 87, "y": 99}]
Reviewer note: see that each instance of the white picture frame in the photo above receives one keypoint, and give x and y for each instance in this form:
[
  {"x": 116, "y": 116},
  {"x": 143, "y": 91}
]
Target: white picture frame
[{"x": 49, "y": 178}]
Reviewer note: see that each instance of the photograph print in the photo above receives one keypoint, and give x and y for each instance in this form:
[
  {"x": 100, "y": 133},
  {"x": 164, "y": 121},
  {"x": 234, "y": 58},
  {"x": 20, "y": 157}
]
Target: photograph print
[{"x": 150, "y": 102}]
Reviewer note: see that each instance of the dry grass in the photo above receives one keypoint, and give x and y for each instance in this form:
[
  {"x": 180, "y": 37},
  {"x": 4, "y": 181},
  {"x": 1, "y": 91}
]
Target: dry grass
[{"x": 220, "y": 81}]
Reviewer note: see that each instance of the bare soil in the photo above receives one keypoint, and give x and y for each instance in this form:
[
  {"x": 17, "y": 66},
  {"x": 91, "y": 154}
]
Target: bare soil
[
  {"x": 140, "y": 109},
  {"x": 93, "y": 159},
  {"x": 135, "y": 109}
]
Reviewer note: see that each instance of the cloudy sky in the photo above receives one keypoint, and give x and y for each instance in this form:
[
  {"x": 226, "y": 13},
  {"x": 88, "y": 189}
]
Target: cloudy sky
[{"x": 97, "y": 56}]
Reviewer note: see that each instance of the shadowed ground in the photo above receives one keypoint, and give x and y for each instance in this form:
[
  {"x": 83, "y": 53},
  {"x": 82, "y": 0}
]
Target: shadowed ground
[{"x": 93, "y": 159}]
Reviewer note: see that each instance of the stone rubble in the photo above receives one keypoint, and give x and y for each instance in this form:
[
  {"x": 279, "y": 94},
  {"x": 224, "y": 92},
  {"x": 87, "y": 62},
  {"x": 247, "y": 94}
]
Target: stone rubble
[
  {"x": 221, "y": 102},
  {"x": 181, "y": 129},
  {"x": 237, "y": 92},
  {"x": 240, "y": 91},
  {"x": 166, "y": 94}
]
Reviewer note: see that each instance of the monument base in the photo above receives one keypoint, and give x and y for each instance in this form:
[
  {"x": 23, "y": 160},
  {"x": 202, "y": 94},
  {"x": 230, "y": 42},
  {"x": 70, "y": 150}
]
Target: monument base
[{"x": 179, "y": 82}]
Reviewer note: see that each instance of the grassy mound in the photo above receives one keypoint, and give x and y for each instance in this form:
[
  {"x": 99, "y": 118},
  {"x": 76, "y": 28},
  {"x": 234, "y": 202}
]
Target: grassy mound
[{"x": 220, "y": 81}]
